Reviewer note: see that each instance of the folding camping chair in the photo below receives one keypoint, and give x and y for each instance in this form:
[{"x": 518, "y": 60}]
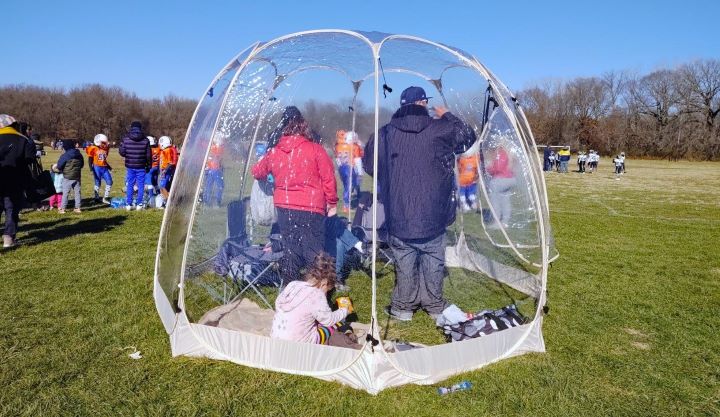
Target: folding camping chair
[
  {"x": 253, "y": 267},
  {"x": 362, "y": 228},
  {"x": 242, "y": 265}
]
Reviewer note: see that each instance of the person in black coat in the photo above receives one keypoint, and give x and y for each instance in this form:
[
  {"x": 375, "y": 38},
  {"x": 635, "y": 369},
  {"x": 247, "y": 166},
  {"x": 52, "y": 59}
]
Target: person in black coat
[
  {"x": 416, "y": 181},
  {"x": 135, "y": 148},
  {"x": 16, "y": 155}
]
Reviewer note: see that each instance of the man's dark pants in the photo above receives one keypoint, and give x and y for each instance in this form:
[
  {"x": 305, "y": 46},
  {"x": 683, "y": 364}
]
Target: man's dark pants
[
  {"x": 419, "y": 275},
  {"x": 11, "y": 205}
]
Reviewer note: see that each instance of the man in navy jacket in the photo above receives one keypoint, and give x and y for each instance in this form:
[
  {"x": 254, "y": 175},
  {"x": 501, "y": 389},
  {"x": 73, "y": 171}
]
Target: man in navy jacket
[
  {"x": 135, "y": 148},
  {"x": 416, "y": 181}
]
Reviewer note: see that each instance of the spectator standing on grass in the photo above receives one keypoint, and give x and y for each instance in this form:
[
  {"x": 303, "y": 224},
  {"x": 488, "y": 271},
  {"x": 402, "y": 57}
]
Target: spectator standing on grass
[
  {"x": 57, "y": 177},
  {"x": 416, "y": 177},
  {"x": 547, "y": 165},
  {"x": 502, "y": 183},
  {"x": 622, "y": 161},
  {"x": 135, "y": 148},
  {"x": 71, "y": 163},
  {"x": 305, "y": 193},
  {"x": 564, "y": 155},
  {"x": 16, "y": 155}
]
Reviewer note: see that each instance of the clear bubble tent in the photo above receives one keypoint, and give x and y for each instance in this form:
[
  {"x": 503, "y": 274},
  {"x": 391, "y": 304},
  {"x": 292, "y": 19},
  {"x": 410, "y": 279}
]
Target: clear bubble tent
[{"x": 497, "y": 251}]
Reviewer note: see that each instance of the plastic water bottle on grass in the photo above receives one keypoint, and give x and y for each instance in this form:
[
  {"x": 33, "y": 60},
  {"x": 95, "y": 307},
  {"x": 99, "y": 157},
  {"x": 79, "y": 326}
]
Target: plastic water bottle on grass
[{"x": 463, "y": 386}]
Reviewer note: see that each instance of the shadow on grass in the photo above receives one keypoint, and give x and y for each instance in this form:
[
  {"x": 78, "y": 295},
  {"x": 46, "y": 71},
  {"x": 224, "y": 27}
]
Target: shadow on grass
[
  {"x": 99, "y": 225},
  {"x": 24, "y": 227}
]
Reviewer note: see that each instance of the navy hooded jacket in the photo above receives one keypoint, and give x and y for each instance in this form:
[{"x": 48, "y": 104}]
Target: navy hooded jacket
[
  {"x": 416, "y": 170},
  {"x": 135, "y": 148}
]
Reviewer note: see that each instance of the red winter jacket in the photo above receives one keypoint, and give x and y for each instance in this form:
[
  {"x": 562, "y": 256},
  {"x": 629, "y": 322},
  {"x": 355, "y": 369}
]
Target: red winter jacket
[
  {"x": 303, "y": 172},
  {"x": 499, "y": 166}
]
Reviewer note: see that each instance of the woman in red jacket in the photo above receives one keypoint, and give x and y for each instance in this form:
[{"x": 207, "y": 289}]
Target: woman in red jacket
[
  {"x": 305, "y": 193},
  {"x": 502, "y": 183}
]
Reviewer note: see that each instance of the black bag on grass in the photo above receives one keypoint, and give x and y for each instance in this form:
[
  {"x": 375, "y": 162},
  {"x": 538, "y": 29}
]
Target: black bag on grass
[{"x": 484, "y": 323}]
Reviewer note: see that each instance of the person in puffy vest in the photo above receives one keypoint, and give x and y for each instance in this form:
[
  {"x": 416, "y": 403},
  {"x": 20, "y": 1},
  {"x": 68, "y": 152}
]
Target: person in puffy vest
[
  {"x": 416, "y": 180},
  {"x": 135, "y": 148}
]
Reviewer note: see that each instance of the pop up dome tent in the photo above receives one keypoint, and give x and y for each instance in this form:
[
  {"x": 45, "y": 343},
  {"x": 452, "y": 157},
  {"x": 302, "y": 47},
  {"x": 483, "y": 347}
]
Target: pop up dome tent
[{"x": 497, "y": 252}]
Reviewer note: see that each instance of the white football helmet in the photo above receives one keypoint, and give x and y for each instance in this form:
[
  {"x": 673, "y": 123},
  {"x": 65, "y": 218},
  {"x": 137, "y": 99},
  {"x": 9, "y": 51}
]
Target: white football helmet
[
  {"x": 165, "y": 142},
  {"x": 350, "y": 137},
  {"x": 99, "y": 139}
]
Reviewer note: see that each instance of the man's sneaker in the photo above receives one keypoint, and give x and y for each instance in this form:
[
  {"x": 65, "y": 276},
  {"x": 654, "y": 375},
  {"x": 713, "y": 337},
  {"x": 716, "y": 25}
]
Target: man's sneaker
[
  {"x": 139, "y": 207},
  {"x": 8, "y": 241},
  {"x": 399, "y": 316},
  {"x": 128, "y": 208}
]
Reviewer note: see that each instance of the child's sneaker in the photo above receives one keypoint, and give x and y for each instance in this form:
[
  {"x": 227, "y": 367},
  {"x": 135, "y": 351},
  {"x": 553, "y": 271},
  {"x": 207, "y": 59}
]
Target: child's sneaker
[
  {"x": 139, "y": 207},
  {"x": 77, "y": 210},
  {"x": 128, "y": 208},
  {"x": 61, "y": 211}
]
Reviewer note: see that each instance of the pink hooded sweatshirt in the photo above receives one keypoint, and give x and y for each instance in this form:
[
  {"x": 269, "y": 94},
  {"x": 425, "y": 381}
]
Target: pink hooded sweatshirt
[{"x": 299, "y": 309}]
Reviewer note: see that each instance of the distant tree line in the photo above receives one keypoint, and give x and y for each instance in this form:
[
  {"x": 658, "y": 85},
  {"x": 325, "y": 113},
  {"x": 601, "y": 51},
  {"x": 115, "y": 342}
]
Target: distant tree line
[
  {"x": 669, "y": 113},
  {"x": 85, "y": 111}
]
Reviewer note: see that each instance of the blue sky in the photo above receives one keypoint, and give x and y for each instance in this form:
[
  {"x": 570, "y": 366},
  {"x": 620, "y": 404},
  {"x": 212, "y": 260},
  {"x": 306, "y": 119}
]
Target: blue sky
[{"x": 155, "y": 48}]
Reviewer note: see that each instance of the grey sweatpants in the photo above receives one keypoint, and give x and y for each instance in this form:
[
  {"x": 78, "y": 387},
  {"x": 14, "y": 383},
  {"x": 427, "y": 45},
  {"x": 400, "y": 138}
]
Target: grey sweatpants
[
  {"x": 500, "y": 192},
  {"x": 419, "y": 275},
  {"x": 67, "y": 185}
]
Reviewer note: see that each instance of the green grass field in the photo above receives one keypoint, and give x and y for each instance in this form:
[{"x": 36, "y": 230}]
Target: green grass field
[{"x": 633, "y": 327}]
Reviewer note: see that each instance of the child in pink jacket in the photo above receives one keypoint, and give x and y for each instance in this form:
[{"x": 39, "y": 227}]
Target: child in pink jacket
[{"x": 302, "y": 313}]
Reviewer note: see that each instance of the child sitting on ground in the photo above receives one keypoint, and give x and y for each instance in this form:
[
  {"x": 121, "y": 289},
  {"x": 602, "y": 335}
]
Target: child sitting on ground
[{"x": 302, "y": 313}]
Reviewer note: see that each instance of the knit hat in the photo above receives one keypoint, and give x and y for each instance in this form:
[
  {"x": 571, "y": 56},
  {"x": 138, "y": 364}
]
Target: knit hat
[
  {"x": 68, "y": 144},
  {"x": 6, "y": 120},
  {"x": 136, "y": 124}
]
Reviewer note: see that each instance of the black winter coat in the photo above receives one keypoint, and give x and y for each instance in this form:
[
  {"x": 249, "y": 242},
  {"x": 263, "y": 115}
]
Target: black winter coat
[
  {"x": 135, "y": 148},
  {"x": 71, "y": 164},
  {"x": 416, "y": 170},
  {"x": 16, "y": 154}
]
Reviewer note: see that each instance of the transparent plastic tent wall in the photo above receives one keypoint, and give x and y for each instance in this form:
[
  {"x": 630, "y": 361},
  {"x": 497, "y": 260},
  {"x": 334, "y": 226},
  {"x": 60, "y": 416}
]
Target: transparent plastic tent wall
[{"x": 490, "y": 263}]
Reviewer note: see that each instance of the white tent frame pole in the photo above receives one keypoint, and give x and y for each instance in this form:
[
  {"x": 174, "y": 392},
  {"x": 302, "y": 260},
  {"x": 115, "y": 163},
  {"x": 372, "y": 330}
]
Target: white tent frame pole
[
  {"x": 182, "y": 157},
  {"x": 193, "y": 212}
]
